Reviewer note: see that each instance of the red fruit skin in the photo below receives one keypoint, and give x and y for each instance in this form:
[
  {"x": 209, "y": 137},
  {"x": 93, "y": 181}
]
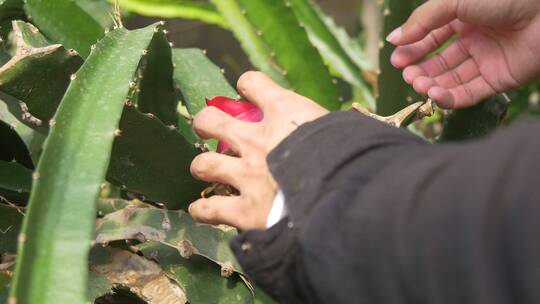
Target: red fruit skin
[{"x": 244, "y": 111}]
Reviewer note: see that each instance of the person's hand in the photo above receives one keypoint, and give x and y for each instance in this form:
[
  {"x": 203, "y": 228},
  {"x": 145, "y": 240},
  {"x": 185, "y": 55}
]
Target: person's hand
[
  {"x": 498, "y": 48},
  {"x": 284, "y": 111}
]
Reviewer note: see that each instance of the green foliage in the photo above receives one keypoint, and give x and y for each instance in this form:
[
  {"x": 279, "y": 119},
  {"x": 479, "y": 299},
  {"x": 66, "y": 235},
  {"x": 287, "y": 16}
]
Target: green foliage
[
  {"x": 5, "y": 281},
  {"x": 99, "y": 10},
  {"x": 149, "y": 159},
  {"x": 393, "y": 92},
  {"x": 60, "y": 220},
  {"x": 199, "y": 79},
  {"x": 9, "y": 10},
  {"x": 10, "y": 222},
  {"x": 276, "y": 23},
  {"x": 152, "y": 160},
  {"x": 171, "y": 228},
  {"x": 157, "y": 94},
  {"x": 475, "y": 122},
  {"x": 36, "y": 77},
  {"x": 525, "y": 102},
  {"x": 198, "y": 277},
  {"x": 187, "y": 9},
  {"x": 15, "y": 177},
  {"x": 124, "y": 115},
  {"x": 335, "y": 45},
  {"x": 65, "y": 22},
  {"x": 14, "y": 148},
  {"x": 255, "y": 47}
]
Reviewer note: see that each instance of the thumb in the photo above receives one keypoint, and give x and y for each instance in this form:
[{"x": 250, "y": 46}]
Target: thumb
[{"x": 426, "y": 18}]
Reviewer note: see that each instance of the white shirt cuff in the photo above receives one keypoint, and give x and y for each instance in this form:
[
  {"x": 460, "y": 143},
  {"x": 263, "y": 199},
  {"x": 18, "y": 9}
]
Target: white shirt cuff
[{"x": 278, "y": 211}]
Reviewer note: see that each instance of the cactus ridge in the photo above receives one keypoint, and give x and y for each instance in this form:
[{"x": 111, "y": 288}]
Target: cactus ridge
[{"x": 277, "y": 24}]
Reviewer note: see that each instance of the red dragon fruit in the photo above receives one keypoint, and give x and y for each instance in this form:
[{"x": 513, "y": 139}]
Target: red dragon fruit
[{"x": 244, "y": 111}]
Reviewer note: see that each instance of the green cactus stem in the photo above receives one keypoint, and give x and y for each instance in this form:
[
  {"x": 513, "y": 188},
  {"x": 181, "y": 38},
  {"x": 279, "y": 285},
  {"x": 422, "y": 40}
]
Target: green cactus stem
[
  {"x": 157, "y": 94},
  {"x": 60, "y": 221},
  {"x": 36, "y": 77},
  {"x": 393, "y": 92},
  {"x": 153, "y": 160},
  {"x": 335, "y": 46},
  {"x": 175, "y": 229},
  {"x": 258, "y": 51},
  {"x": 276, "y": 23},
  {"x": 475, "y": 122},
  {"x": 65, "y": 22},
  {"x": 197, "y": 276}
]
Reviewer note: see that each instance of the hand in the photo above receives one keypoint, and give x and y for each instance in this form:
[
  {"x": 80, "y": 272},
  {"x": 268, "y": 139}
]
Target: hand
[
  {"x": 498, "y": 48},
  {"x": 284, "y": 111}
]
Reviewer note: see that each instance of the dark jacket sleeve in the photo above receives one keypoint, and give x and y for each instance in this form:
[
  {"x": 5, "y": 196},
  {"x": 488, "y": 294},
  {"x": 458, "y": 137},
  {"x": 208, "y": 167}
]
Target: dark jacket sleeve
[{"x": 377, "y": 215}]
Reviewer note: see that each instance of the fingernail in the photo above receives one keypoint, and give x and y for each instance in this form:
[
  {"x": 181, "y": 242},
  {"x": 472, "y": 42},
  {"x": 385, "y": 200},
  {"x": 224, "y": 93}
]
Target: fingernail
[
  {"x": 395, "y": 35},
  {"x": 189, "y": 208}
]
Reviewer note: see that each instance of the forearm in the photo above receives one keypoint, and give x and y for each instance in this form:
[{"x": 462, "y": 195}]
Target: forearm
[{"x": 388, "y": 218}]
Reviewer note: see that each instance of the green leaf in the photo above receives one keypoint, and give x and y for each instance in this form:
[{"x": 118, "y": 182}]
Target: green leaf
[
  {"x": 172, "y": 228},
  {"x": 100, "y": 10},
  {"x": 157, "y": 95},
  {"x": 65, "y": 22},
  {"x": 15, "y": 177},
  {"x": 277, "y": 24},
  {"x": 199, "y": 79},
  {"x": 254, "y": 46},
  {"x": 394, "y": 93},
  {"x": 13, "y": 147},
  {"x": 199, "y": 278},
  {"x": 343, "y": 54},
  {"x": 26, "y": 133},
  {"x": 11, "y": 9},
  {"x": 149, "y": 159},
  {"x": 59, "y": 224},
  {"x": 98, "y": 286},
  {"x": 11, "y": 220},
  {"x": 153, "y": 160},
  {"x": 36, "y": 77},
  {"x": 187, "y": 9},
  {"x": 525, "y": 102},
  {"x": 5, "y": 284},
  {"x": 475, "y": 122}
]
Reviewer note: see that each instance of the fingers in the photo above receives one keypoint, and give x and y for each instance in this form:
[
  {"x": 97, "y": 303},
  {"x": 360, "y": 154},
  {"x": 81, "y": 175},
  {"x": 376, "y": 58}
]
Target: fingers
[
  {"x": 259, "y": 89},
  {"x": 426, "y": 18},
  {"x": 218, "y": 210},
  {"x": 409, "y": 54},
  {"x": 447, "y": 60},
  {"x": 462, "y": 96},
  {"x": 462, "y": 74},
  {"x": 214, "y": 123},
  {"x": 220, "y": 168}
]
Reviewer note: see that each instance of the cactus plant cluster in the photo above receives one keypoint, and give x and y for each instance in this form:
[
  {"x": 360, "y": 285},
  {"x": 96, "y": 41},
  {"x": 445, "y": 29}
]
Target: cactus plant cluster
[{"x": 97, "y": 142}]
